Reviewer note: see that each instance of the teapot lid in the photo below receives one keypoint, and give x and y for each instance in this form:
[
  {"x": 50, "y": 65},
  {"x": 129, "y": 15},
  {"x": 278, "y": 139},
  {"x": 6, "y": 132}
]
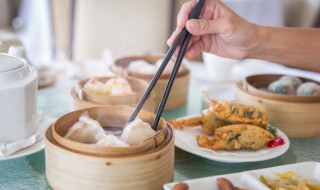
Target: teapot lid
[{"x": 9, "y": 63}]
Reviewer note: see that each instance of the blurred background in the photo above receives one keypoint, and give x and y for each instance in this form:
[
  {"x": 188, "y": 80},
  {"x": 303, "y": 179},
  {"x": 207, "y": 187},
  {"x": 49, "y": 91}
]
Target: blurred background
[{"x": 80, "y": 30}]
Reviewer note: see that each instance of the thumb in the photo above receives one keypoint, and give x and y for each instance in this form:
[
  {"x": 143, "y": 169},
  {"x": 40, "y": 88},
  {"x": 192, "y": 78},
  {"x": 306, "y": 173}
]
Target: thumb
[{"x": 203, "y": 26}]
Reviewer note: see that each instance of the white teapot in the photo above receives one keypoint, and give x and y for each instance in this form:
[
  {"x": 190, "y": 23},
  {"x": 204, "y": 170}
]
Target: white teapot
[{"x": 18, "y": 96}]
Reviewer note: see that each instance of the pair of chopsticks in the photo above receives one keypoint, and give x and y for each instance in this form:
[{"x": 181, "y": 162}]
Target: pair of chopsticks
[{"x": 183, "y": 39}]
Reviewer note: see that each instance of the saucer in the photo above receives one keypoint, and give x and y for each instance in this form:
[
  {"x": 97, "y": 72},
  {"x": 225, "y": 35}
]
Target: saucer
[
  {"x": 36, "y": 147},
  {"x": 16, "y": 150}
]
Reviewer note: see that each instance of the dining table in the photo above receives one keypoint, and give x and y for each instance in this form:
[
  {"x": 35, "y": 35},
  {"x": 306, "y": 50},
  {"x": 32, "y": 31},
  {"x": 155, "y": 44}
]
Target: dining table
[{"x": 29, "y": 171}]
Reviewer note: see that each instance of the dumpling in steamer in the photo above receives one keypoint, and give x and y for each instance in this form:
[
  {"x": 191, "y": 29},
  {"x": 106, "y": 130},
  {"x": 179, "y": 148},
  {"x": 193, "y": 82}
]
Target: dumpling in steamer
[
  {"x": 111, "y": 141},
  {"x": 119, "y": 86},
  {"x": 136, "y": 132},
  {"x": 141, "y": 66},
  {"x": 308, "y": 89},
  {"x": 282, "y": 87},
  {"x": 294, "y": 81},
  {"x": 86, "y": 130}
]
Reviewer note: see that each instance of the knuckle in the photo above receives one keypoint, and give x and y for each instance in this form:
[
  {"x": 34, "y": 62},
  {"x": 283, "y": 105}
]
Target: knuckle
[{"x": 204, "y": 25}]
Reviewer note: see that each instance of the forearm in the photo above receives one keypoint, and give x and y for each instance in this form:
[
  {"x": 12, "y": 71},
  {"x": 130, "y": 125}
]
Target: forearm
[{"x": 292, "y": 47}]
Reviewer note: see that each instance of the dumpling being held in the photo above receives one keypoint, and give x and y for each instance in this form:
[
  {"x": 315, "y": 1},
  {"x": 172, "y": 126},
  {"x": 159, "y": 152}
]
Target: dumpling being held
[{"x": 136, "y": 132}]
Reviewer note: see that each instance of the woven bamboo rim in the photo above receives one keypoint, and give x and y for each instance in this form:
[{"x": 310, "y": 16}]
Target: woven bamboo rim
[
  {"x": 111, "y": 115},
  {"x": 252, "y": 85},
  {"x": 49, "y": 136}
]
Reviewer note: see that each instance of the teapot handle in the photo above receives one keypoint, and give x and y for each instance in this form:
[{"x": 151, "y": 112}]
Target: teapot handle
[{"x": 16, "y": 51}]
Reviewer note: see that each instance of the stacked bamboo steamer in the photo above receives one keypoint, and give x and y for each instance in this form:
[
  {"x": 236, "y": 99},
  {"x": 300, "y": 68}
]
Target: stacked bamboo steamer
[
  {"x": 296, "y": 116},
  {"x": 83, "y": 166},
  {"x": 179, "y": 92},
  {"x": 80, "y": 99}
]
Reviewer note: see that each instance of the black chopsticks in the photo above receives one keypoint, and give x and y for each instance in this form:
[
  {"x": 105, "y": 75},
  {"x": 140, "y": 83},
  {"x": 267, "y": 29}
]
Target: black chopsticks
[{"x": 183, "y": 38}]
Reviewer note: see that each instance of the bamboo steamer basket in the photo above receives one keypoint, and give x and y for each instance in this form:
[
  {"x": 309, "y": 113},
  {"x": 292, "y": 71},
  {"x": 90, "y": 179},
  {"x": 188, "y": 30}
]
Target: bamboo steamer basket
[
  {"x": 179, "y": 92},
  {"x": 296, "y": 116},
  {"x": 67, "y": 168},
  {"x": 80, "y": 99}
]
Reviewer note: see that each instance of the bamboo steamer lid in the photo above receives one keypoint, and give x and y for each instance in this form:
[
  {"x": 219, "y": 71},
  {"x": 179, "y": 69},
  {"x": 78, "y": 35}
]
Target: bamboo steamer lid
[
  {"x": 297, "y": 116},
  {"x": 179, "y": 92}
]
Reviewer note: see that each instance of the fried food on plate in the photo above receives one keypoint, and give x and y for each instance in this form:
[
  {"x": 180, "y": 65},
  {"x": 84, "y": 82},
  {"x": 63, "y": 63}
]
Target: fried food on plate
[
  {"x": 190, "y": 122},
  {"x": 222, "y": 113},
  {"x": 235, "y": 113},
  {"x": 235, "y": 137}
]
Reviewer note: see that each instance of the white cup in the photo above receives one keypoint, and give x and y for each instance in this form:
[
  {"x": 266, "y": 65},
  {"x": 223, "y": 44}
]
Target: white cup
[{"x": 218, "y": 68}]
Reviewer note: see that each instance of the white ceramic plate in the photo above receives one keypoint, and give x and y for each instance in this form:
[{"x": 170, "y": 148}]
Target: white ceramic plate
[
  {"x": 250, "y": 179},
  {"x": 39, "y": 145},
  {"x": 186, "y": 140}
]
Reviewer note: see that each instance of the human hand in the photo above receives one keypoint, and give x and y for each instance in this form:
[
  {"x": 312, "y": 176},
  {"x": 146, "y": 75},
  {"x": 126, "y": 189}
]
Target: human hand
[{"x": 218, "y": 30}]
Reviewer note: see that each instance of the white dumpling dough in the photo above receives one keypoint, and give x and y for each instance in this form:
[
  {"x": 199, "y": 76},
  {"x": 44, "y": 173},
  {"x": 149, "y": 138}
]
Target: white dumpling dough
[
  {"x": 87, "y": 130},
  {"x": 111, "y": 141},
  {"x": 119, "y": 86},
  {"x": 141, "y": 66},
  {"x": 137, "y": 132}
]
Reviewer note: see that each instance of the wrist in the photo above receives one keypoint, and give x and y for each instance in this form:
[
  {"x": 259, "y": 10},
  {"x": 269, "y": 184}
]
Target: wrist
[{"x": 258, "y": 41}]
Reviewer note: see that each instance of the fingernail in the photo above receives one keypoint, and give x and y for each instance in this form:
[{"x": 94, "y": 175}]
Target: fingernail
[{"x": 193, "y": 24}]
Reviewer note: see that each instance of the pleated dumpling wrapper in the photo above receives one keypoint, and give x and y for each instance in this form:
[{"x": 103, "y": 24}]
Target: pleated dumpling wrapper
[
  {"x": 87, "y": 130},
  {"x": 136, "y": 132}
]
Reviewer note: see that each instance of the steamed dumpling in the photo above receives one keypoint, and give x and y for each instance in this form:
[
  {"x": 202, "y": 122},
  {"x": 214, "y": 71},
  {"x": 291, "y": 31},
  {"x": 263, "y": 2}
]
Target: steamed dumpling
[
  {"x": 169, "y": 66},
  {"x": 141, "y": 66},
  {"x": 94, "y": 85},
  {"x": 282, "y": 87},
  {"x": 285, "y": 85},
  {"x": 86, "y": 130},
  {"x": 119, "y": 86},
  {"x": 294, "y": 81},
  {"x": 137, "y": 132},
  {"x": 308, "y": 89},
  {"x": 111, "y": 141}
]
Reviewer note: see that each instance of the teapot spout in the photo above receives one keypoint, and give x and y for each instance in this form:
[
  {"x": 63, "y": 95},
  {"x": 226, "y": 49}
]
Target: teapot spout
[{"x": 16, "y": 51}]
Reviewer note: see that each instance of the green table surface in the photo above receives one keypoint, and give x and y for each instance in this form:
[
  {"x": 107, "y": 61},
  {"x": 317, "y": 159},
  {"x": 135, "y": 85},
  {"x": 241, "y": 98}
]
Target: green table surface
[{"x": 28, "y": 172}]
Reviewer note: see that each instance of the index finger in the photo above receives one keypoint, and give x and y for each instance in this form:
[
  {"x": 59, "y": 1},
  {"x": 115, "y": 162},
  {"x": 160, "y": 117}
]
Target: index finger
[{"x": 184, "y": 12}]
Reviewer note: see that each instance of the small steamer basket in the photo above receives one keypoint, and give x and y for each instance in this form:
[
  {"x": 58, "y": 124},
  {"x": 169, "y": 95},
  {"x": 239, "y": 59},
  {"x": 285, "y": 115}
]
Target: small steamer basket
[
  {"x": 179, "y": 92},
  {"x": 80, "y": 99},
  {"x": 90, "y": 167},
  {"x": 297, "y": 116}
]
